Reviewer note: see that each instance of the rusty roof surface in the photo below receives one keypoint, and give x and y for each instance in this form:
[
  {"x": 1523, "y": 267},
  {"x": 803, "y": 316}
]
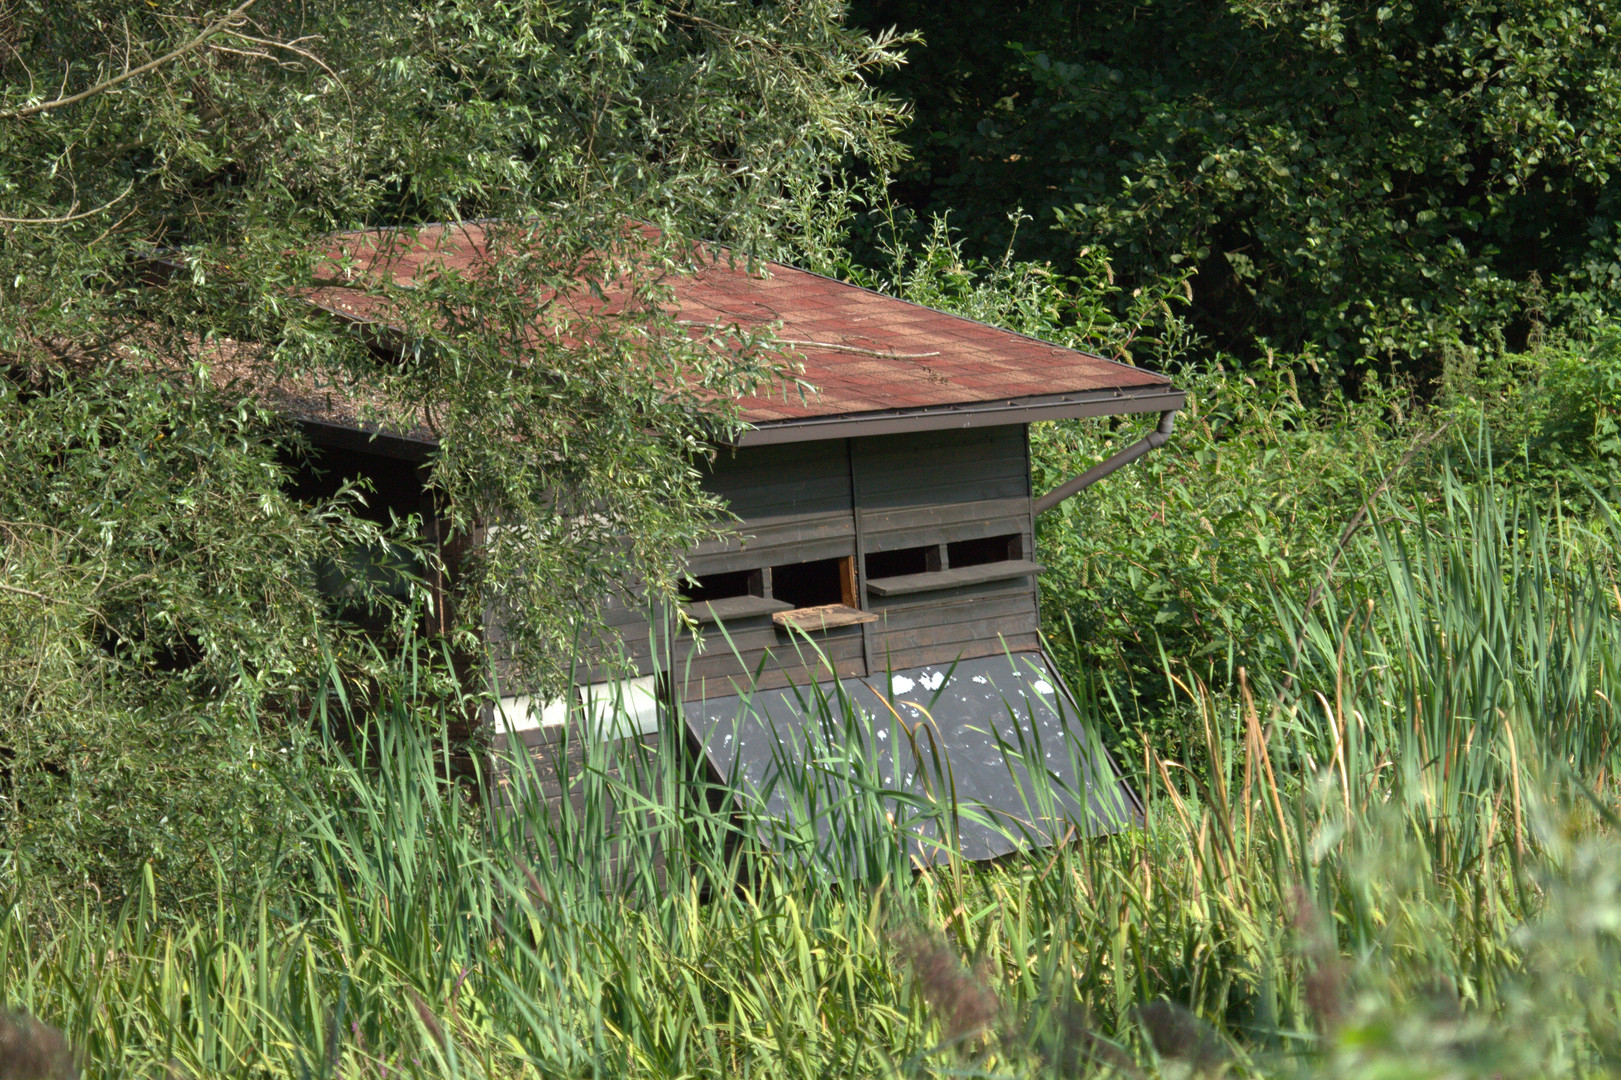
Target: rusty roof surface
[{"x": 863, "y": 352}]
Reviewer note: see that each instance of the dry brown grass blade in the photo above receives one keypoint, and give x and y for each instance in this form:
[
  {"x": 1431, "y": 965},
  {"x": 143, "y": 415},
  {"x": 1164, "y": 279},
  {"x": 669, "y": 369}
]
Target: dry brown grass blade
[{"x": 1252, "y": 719}]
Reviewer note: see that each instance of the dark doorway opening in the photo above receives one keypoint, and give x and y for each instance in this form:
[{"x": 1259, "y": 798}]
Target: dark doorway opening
[
  {"x": 988, "y": 549},
  {"x": 809, "y": 584},
  {"x": 917, "y": 560},
  {"x": 723, "y": 586}
]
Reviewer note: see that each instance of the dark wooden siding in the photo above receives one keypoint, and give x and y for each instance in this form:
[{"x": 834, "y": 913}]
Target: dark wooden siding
[
  {"x": 936, "y": 488},
  {"x": 933, "y": 487},
  {"x": 794, "y": 501},
  {"x": 824, "y": 500},
  {"x": 796, "y": 507},
  {"x": 804, "y": 502}
]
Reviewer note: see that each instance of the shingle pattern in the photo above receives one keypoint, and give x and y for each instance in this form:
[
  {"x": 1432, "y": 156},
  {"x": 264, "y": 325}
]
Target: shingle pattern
[{"x": 863, "y": 352}]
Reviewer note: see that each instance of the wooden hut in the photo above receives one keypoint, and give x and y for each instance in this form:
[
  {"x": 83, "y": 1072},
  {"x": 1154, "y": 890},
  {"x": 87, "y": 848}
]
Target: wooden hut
[{"x": 886, "y": 543}]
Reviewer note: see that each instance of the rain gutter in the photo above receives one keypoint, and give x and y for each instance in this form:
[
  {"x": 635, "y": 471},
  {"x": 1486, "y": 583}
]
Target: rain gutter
[
  {"x": 1153, "y": 440},
  {"x": 1157, "y": 398}
]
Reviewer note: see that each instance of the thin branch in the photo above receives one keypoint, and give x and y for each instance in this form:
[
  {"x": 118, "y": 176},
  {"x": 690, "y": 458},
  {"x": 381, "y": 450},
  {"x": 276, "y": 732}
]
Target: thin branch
[
  {"x": 834, "y": 346},
  {"x": 222, "y": 23},
  {"x": 28, "y": 592},
  {"x": 9, "y": 525},
  {"x": 70, "y": 215},
  {"x": 293, "y": 47}
]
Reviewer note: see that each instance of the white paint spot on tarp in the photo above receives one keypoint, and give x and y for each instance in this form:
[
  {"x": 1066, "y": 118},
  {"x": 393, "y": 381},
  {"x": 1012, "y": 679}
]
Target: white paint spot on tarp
[
  {"x": 621, "y": 709},
  {"x": 1042, "y": 686},
  {"x": 982, "y": 680},
  {"x": 900, "y": 684},
  {"x": 524, "y": 713},
  {"x": 931, "y": 680}
]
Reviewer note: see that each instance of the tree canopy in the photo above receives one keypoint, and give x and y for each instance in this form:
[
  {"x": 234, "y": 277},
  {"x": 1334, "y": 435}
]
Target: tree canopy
[
  {"x": 1381, "y": 182},
  {"x": 170, "y": 178}
]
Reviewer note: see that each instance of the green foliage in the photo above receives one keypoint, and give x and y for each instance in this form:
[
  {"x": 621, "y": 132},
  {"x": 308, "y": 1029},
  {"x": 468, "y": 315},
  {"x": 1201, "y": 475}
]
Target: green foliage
[
  {"x": 156, "y": 587},
  {"x": 1183, "y": 554},
  {"x": 170, "y": 179},
  {"x": 250, "y": 137},
  {"x": 1085, "y": 309},
  {"x": 1304, "y": 898},
  {"x": 1263, "y": 498},
  {"x": 1380, "y": 182},
  {"x": 1552, "y": 412},
  {"x": 1272, "y": 494}
]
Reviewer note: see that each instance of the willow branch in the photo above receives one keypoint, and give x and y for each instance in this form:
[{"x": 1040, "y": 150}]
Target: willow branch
[
  {"x": 27, "y": 592},
  {"x": 73, "y": 214},
  {"x": 215, "y": 27}
]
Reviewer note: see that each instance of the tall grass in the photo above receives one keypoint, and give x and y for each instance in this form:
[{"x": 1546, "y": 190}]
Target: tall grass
[{"x": 1397, "y": 858}]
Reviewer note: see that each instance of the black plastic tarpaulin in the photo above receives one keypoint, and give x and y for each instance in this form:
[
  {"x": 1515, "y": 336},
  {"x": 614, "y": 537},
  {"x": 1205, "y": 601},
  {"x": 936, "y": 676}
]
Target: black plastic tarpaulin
[{"x": 987, "y": 756}]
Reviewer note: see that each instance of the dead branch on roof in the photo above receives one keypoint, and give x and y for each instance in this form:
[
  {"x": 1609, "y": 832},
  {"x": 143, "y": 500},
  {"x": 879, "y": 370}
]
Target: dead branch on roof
[
  {"x": 856, "y": 349},
  {"x": 834, "y": 346}
]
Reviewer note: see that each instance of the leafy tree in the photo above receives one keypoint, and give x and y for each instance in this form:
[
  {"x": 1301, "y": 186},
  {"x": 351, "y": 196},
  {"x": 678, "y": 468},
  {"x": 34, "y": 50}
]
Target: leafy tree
[
  {"x": 171, "y": 177},
  {"x": 1395, "y": 180}
]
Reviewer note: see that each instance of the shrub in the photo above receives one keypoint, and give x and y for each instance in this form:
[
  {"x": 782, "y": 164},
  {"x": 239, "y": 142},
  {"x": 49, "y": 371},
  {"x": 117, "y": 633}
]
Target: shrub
[{"x": 157, "y": 589}]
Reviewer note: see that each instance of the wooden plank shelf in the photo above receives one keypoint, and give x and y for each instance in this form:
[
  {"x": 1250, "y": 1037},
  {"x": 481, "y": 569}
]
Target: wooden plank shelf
[
  {"x": 935, "y": 580},
  {"x": 822, "y": 617},
  {"x": 735, "y": 607}
]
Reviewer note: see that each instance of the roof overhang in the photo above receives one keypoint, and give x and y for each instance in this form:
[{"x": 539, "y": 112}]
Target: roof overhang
[
  {"x": 368, "y": 439},
  {"x": 365, "y": 439},
  {"x": 1027, "y": 410}
]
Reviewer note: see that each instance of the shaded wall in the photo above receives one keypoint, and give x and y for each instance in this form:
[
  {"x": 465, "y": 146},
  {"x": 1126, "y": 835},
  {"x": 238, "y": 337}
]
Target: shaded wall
[{"x": 934, "y": 526}]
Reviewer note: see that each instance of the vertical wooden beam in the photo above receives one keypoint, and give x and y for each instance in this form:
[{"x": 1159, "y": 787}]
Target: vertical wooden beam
[
  {"x": 868, "y": 634},
  {"x": 849, "y": 593},
  {"x": 1028, "y": 540}
]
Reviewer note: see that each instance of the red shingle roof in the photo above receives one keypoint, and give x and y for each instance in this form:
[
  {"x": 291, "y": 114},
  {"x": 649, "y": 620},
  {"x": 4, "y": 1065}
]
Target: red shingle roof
[{"x": 865, "y": 353}]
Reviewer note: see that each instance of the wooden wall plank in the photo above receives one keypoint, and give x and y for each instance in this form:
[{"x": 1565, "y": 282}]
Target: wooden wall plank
[
  {"x": 772, "y": 481},
  {"x": 935, "y": 488},
  {"x": 800, "y": 504}
]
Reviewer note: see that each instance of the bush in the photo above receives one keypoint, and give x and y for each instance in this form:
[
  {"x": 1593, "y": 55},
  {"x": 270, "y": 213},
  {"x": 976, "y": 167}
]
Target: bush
[
  {"x": 158, "y": 613},
  {"x": 1269, "y": 494},
  {"x": 1179, "y": 557},
  {"x": 1553, "y": 414}
]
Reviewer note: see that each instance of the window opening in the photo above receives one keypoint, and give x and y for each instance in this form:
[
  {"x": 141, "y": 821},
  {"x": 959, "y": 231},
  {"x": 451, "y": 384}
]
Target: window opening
[
  {"x": 917, "y": 560},
  {"x": 382, "y": 569},
  {"x": 988, "y": 549},
  {"x": 723, "y": 586},
  {"x": 812, "y": 584}
]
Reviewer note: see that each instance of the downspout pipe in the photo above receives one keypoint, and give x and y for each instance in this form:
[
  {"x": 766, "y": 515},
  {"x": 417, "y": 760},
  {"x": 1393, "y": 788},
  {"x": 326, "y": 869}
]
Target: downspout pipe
[{"x": 1152, "y": 441}]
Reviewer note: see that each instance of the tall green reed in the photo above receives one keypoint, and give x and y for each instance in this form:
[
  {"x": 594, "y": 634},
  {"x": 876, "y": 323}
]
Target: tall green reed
[
  {"x": 1384, "y": 861},
  {"x": 1489, "y": 641}
]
